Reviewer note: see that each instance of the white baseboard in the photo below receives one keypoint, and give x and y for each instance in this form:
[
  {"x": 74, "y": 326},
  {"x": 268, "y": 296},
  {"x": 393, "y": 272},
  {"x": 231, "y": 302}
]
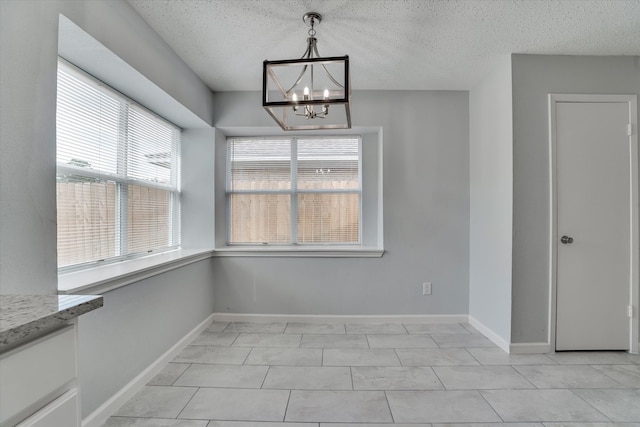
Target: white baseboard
[
  {"x": 315, "y": 318},
  {"x": 529, "y": 348},
  {"x": 108, "y": 408},
  {"x": 487, "y": 332}
]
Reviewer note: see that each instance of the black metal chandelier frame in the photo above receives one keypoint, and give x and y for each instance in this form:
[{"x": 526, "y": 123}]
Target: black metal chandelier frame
[{"x": 312, "y": 105}]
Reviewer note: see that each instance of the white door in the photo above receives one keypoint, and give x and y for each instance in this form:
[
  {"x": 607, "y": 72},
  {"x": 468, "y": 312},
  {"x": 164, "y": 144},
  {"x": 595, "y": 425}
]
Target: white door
[{"x": 593, "y": 226}]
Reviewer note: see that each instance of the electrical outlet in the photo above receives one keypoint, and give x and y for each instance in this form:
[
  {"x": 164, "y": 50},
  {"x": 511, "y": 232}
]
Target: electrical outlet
[{"x": 426, "y": 288}]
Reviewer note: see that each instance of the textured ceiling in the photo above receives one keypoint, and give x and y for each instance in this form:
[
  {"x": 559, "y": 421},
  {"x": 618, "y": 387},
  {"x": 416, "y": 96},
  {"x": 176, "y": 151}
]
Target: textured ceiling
[{"x": 392, "y": 44}]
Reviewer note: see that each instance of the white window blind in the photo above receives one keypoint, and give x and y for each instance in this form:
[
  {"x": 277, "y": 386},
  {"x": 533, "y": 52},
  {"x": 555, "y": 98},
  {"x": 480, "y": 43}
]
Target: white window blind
[
  {"x": 294, "y": 190},
  {"x": 117, "y": 174}
]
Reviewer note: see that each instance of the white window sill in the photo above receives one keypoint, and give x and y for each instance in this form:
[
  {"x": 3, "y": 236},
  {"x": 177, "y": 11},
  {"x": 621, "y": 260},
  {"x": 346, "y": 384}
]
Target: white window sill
[
  {"x": 298, "y": 251},
  {"x": 105, "y": 278}
]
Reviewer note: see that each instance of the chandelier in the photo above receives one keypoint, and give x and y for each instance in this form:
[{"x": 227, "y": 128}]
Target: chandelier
[{"x": 311, "y": 92}]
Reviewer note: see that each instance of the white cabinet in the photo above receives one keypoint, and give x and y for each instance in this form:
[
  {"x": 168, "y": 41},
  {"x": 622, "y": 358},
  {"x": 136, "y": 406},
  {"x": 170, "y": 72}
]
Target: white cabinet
[
  {"x": 39, "y": 382},
  {"x": 61, "y": 412}
]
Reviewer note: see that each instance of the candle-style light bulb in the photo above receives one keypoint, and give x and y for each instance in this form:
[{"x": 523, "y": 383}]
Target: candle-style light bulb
[
  {"x": 306, "y": 91},
  {"x": 326, "y": 94},
  {"x": 294, "y": 98}
]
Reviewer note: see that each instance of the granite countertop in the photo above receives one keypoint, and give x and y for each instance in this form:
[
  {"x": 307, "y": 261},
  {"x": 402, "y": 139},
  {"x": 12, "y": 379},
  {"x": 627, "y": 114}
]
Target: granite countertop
[{"x": 25, "y": 316}]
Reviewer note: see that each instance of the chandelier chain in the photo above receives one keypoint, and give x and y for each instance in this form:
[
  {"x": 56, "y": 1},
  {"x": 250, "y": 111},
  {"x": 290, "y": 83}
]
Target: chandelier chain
[{"x": 312, "y": 23}]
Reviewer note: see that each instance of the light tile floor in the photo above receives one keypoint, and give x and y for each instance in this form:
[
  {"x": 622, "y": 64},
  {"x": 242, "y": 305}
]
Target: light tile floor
[{"x": 365, "y": 375}]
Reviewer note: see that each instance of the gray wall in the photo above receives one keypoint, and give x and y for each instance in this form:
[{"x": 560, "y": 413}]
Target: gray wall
[
  {"x": 28, "y": 55},
  {"x": 141, "y": 321},
  {"x": 426, "y": 218},
  {"x": 491, "y": 202},
  {"x": 138, "y": 324},
  {"x": 534, "y": 77},
  {"x": 197, "y": 178}
]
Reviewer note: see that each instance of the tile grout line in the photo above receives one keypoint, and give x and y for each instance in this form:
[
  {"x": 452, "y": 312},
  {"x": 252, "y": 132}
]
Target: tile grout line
[
  {"x": 405, "y": 328},
  {"x": 286, "y": 408},
  {"x": 265, "y": 378},
  {"x": 234, "y": 340},
  {"x": 432, "y": 339},
  {"x": 473, "y": 357},
  {"x": 386, "y": 398},
  {"x": 226, "y": 327},
  {"x": 589, "y": 404},
  {"x": 490, "y": 405},
  {"x": 535, "y": 387},
  {"x": 247, "y": 356},
  {"x": 351, "y": 372},
  {"x": 609, "y": 376},
  {"x": 395, "y": 350},
  {"x": 444, "y": 387},
  {"x": 515, "y": 369},
  {"x": 437, "y": 377},
  {"x": 395, "y": 353},
  {"x": 186, "y": 404},
  {"x": 178, "y": 377}
]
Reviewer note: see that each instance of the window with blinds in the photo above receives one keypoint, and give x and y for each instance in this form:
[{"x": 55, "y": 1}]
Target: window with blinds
[
  {"x": 117, "y": 174},
  {"x": 299, "y": 190}
]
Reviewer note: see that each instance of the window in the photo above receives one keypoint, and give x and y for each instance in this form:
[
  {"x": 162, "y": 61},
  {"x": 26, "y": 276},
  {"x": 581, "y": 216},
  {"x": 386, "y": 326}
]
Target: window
[
  {"x": 294, "y": 191},
  {"x": 117, "y": 174}
]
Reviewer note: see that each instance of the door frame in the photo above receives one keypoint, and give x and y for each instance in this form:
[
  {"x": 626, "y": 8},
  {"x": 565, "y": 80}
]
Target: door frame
[{"x": 632, "y": 102}]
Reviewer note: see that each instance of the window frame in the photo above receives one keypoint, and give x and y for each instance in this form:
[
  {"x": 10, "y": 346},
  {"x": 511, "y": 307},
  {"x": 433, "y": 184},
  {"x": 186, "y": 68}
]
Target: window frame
[
  {"x": 293, "y": 192},
  {"x": 122, "y": 179}
]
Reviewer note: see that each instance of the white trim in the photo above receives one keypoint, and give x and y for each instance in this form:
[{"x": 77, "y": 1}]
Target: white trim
[
  {"x": 529, "y": 348},
  {"x": 634, "y": 285},
  {"x": 328, "y": 318},
  {"x": 509, "y": 347},
  {"x": 108, "y": 408},
  {"x": 487, "y": 332},
  {"x": 293, "y": 192},
  {"x": 100, "y": 280},
  {"x": 553, "y": 226},
  {"x": 634, "y": 241},
  {"x": 299, "y": 251}
]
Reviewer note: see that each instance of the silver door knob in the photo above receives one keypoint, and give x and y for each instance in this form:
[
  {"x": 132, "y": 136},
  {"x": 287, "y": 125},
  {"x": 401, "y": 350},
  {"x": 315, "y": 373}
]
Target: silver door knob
[{"x": 566, "y": 240}]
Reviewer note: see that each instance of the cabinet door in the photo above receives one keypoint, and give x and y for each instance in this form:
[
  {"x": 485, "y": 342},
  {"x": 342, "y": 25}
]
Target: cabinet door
[
  {"x": 61, "y": 412},
  {"x": 36, "y": 373}
]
